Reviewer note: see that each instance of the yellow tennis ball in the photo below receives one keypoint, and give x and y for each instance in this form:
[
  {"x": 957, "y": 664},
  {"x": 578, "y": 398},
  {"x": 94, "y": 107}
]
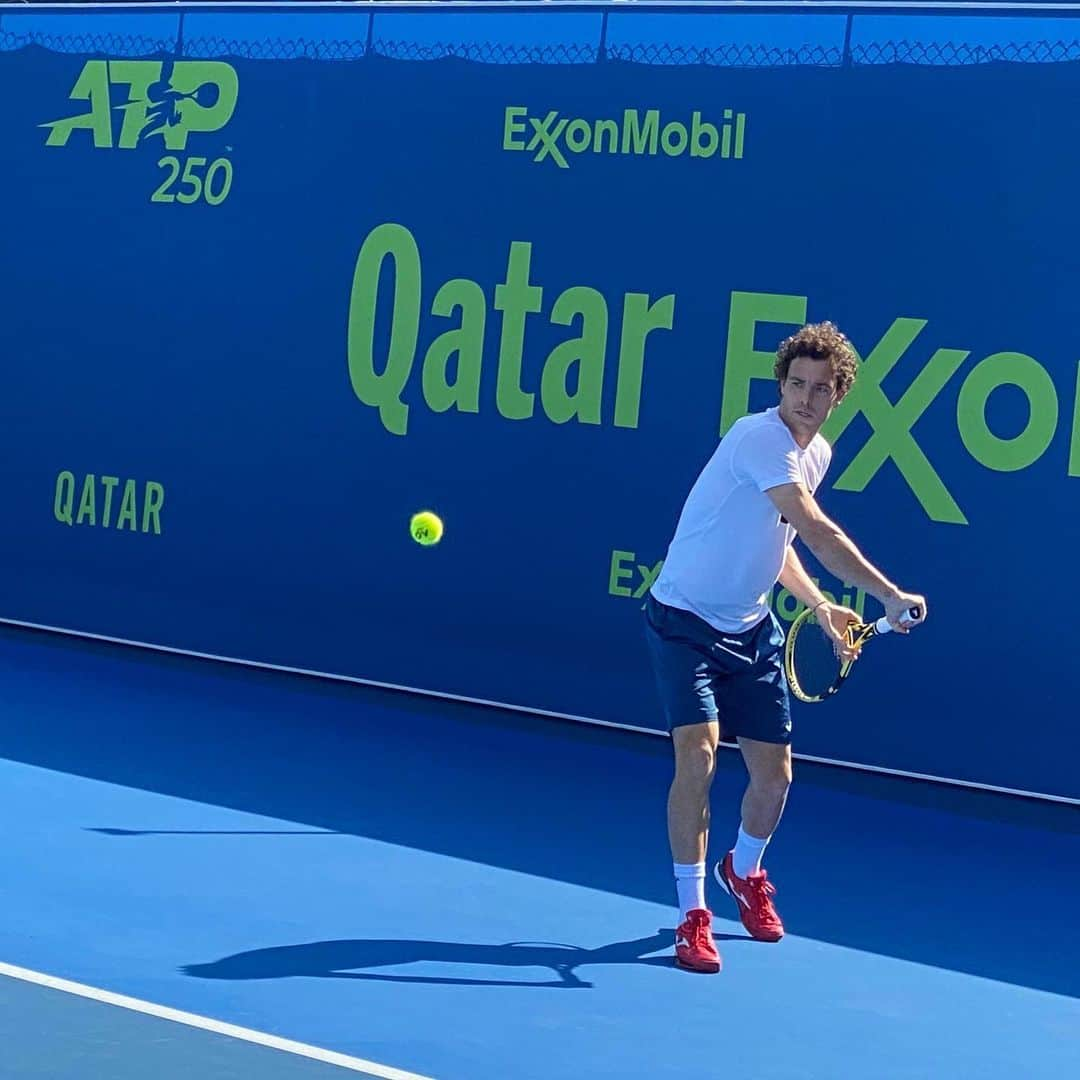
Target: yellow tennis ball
[{"x": 426, "y": 528}]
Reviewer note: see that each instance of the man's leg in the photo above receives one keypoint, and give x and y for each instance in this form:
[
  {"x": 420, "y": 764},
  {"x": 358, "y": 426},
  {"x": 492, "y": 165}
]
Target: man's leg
[
  {"x": 769, "y": 766},
  {"x": 688, "y": 801},
  {"x": 679, "y": 647},
  {"x": 688, "y": 833}
]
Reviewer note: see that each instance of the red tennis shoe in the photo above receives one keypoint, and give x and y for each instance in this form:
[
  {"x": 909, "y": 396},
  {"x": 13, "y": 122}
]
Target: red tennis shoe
[
  {"x": 695, "y": 949},
  {"x": 753, "y": 894}
]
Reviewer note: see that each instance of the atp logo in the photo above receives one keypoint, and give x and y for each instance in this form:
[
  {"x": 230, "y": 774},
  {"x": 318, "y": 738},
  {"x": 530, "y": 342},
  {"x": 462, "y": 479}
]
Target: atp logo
[{"x": 166, "y": 100}]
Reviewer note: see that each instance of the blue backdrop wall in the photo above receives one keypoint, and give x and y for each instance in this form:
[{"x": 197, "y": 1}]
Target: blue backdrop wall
[{"x": 275, "y": 280}]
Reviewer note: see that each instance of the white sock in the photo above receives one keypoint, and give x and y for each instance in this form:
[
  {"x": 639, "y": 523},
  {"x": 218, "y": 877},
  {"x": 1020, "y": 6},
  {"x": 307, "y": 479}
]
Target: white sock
[
  {"x": 746, "y": 858},
  {"x": 690, "y": 881}
]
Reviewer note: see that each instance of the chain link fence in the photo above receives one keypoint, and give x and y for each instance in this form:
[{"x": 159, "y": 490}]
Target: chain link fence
[{"x": 951, "y": 53}]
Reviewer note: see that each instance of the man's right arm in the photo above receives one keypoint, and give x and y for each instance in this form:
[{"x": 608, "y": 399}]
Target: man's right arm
[{"x": 836, "y": 552}]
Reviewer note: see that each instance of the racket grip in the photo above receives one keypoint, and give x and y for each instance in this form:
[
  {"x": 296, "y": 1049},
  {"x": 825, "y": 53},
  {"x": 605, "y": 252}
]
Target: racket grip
[{"x": 883, "y": 626}]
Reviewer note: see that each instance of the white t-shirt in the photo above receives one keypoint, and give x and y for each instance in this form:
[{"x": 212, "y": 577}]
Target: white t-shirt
[{"x": 729, "y": 546}]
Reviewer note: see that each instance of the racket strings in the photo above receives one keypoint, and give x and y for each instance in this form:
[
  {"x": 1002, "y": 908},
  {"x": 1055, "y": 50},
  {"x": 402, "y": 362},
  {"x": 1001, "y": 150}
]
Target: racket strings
[{"x": 814, "y": 663}]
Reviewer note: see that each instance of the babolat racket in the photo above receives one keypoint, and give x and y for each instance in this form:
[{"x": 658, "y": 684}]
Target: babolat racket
[{"x": 814, "y": 671}]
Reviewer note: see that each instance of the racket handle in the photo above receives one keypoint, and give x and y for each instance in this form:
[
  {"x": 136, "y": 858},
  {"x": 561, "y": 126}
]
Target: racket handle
[{"x": 883, "y": 626}]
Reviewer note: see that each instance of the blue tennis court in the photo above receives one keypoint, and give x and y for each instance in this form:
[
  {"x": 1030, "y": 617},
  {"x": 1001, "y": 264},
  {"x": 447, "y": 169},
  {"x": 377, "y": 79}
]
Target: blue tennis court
[
  {"x": 282, "y": 275},
  {"x": 403, "y": 886}
]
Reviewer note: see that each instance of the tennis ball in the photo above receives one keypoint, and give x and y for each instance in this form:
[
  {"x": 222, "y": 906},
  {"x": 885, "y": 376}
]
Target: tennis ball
[{"x": 426, "y": 528}]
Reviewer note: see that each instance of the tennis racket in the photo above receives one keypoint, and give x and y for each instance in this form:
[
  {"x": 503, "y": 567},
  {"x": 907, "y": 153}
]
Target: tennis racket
[{"x": 814, "y": 671}]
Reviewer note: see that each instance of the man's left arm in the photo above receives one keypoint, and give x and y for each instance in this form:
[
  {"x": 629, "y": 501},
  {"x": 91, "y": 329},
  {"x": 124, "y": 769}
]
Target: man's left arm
[
  {"x": 834, "y": 618},
  {"x": 798, "y": 582}
]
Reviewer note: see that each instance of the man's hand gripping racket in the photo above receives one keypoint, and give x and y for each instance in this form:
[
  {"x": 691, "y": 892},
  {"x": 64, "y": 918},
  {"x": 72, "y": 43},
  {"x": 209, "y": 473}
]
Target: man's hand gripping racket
[{"x": 822, "y": 648}]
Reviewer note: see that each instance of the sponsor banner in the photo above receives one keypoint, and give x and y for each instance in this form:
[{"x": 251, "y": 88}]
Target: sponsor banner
[{"x": 257, "y": 312}]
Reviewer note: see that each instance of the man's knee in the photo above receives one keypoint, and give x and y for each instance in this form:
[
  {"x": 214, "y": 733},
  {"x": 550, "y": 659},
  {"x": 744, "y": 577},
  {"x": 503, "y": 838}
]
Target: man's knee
[
  {"x": 770, "y": 772},
  {"x": 773, "y": 782},
  {"x": 695, "y": 752}
]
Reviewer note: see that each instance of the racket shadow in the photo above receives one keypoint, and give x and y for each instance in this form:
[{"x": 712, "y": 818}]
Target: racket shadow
[
  {"x": 355, "y": 959},
  {"x": 860, "y": 860}
]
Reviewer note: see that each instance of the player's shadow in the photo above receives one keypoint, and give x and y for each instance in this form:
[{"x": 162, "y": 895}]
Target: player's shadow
[
  {"x": 564, "y": 802},
  {"x": 109, "y": 831},
  {"x": 353, "y": 959}
]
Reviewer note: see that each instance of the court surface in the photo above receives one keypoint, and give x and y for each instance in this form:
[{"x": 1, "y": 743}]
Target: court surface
[{"x": 406, "y": 886}]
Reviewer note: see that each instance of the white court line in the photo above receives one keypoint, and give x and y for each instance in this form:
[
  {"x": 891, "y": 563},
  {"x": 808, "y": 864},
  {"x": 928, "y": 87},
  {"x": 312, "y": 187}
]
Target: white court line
[{"x": 205, "y": 1023}]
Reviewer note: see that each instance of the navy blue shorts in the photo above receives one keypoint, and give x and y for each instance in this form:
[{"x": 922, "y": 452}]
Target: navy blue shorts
[{"x": 703, "y": 674}]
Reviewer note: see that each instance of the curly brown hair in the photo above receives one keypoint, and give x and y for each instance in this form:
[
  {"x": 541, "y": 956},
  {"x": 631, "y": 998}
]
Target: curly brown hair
[{"x": 820, "y": 341}]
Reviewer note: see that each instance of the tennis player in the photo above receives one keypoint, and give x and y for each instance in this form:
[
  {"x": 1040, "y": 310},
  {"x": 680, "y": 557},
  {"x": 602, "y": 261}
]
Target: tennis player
[{"x": 716, "y": 647}]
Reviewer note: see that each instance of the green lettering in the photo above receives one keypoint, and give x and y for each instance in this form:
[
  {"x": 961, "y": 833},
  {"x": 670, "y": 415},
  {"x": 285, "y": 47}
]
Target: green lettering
[
  {"x": 586, "y": 352},
  {"x": 547, "y": 138},
  {"x": 87, "y": 508},
  {"x": 188, "y": 77},
  {"x": 892, "y": 423},
  {"x": 64, "y": 498},
  {"x": 611, "y": 130},
  {"x": 787, "y": 605},
  {"x": 466, "y": 342},
  {"x": 640, "y": 318},
  {"x": 139, "y": 76},
  {"x": 674, "y": 138},
  {"x": 1007, "y": 369},
  {"x": 648, "y": 575},
  {"x": 516, "y": 299},
  {"x": 127, "y": 506},
  {"x": 108, "y": 483},
  {"x": 617, "y": 573},
  {"x": 384, "y": 390},
  {"x": 153, "y": 500},
  {"x": 1074, "y": 446},
  {"x": 698, "y": 148},
  {"x": 860, "y": 603},
  {"x": 511, "y": 127},
  {"x": 93, "y": 86},
  {"x": 743, "y": 363},
  {"x": 578, "y": 136},
  {"x": 637, "y": 139}
]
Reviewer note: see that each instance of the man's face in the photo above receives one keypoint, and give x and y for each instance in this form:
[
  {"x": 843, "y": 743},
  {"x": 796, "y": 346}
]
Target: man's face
[{"x": 807, "y": 395}]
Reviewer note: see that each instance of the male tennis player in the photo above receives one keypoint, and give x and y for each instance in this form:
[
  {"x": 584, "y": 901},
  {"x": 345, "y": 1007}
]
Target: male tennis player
[{"x": 716, "y": 647}]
